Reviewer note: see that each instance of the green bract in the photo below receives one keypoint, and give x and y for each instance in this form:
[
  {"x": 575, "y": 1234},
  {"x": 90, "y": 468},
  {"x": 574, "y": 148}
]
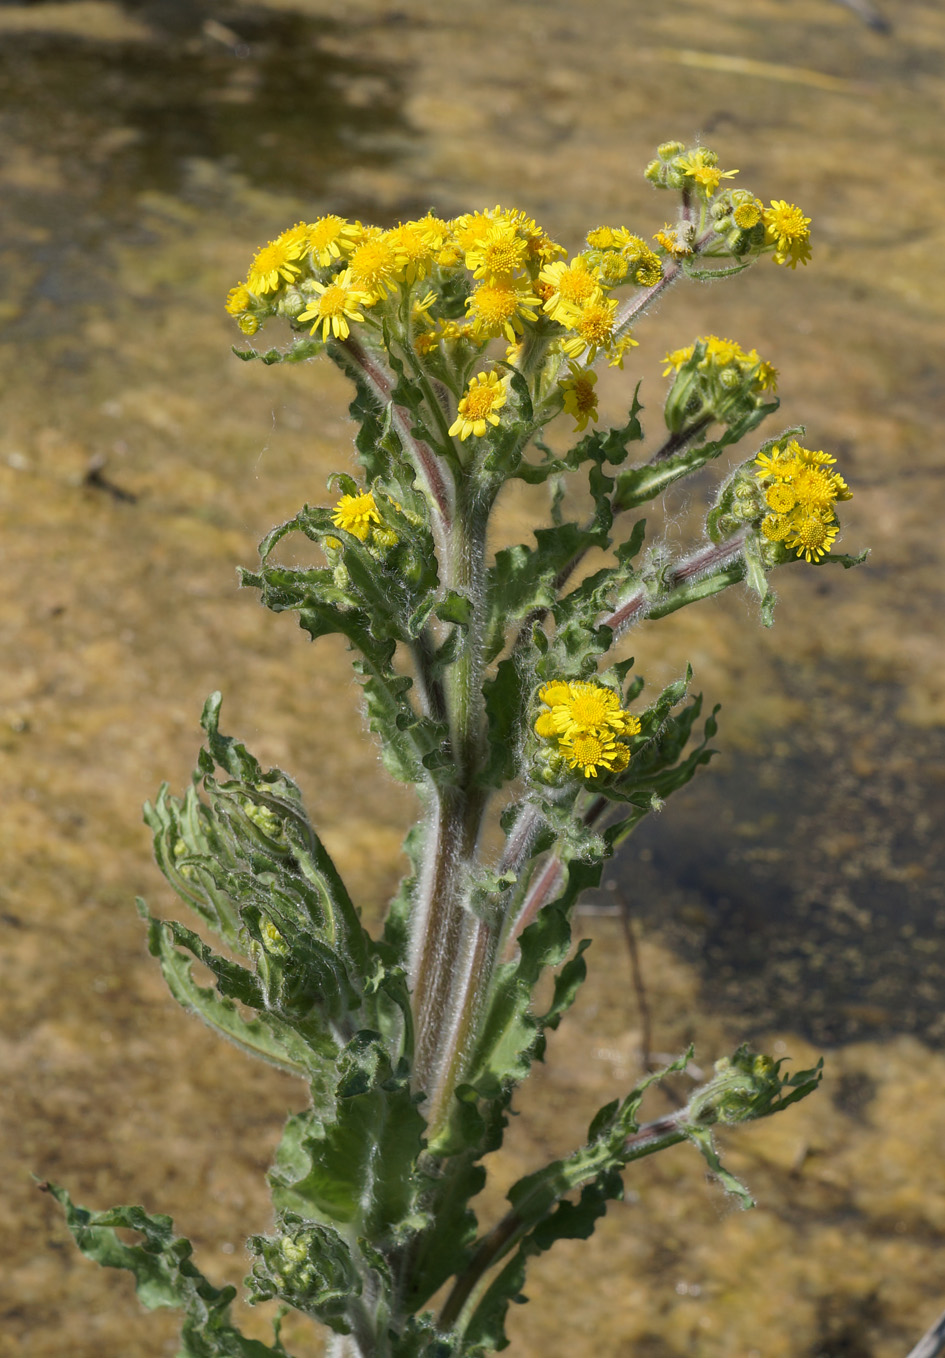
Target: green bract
[{"x": 492, "y": 684}]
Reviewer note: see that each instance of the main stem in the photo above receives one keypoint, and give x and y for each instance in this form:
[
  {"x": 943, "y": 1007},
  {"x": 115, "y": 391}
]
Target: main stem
[{"x": 452, "y": 949}]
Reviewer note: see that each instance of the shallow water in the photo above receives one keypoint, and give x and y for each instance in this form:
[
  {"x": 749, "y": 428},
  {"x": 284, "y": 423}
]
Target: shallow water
[{"x": 792, "y": 896}]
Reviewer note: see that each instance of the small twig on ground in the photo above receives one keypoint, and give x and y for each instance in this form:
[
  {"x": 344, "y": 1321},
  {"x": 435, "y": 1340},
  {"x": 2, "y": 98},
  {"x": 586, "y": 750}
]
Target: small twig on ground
[{"x": 646, "y": 1026}]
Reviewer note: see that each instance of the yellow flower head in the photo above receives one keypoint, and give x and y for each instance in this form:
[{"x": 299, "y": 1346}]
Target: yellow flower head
[
  {"x": 572, "y": 285},
  {"x": 499, "y": 253},
  {"x": 499, "y": 308},
  {"x": 701, "y": 167},
  {"x": 747, "y": 211},
  {"x": 813, "y": 536},
  {"x": 414, "y": 249},
  {"x": 607, "y": 237},
  {"x": 356, "y": 514},
  {"x": 620, "y": 350},
  {"x": 330, "y": 237},
  {"x": 580, "y": 398},
  {"x": 588, "y": 751},
  {"x": 471, "y": 228},
  {"x": 645, "y": 264},
  {"x": 274, "y": 265},
  {"x": 485, "y": 395},
  {"x": 374, "y": 266},
  {"x": 541, "y": 248},
  {"x": 338, "y": 304},
  {"x": 593, "y": 327},
  {"x": 787, "y": 229},
  {"x": 675, "y": 240},
  {"x": 589, "y": 707},
  {"x": 238, "y": 299}
]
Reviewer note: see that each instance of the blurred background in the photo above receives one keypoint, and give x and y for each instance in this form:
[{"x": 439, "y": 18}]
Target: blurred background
[{"x": 792, "y": 896}]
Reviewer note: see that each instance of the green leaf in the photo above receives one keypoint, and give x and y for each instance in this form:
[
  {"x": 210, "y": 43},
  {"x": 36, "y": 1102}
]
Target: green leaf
[
  {"x": 602, "y": 445},
  {"x": 844, "y": 559},
  {"x": 505, "y": 711},
  {"x": 357, "y": 1167},
  {"x": 300, "y": 351},
  {"x": 456, "y": 608},
  {"x": 264, "y": 1036},
  {"x": 164, "y": 1276}
]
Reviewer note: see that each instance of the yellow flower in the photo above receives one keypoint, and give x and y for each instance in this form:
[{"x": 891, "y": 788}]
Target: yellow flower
[
  {"x": 498, "y": 253},
  {"x": 273, "y": 265},
  {"x": 813, "y": 487},
  {"x": 675, "y": 241},
  {"x": 572, "y": 285},
  {"x": 238, "y": 299},
  {"x": 781, "y": 497},
  {"x": 776, "y": 527},
  {"x": 588, "y": 707},
  {"x": 498, "y": 308},
  {"x": 329, "y": 237},
  {"x": 426, "y": 343},
  {"x": 555, "y": 691},
  {"x": 587, "y": 751},
  {"x": 593, "y": 327},
  {"x": 786, "y": 228},
  {"x": 775, "y": 463},
  {"x": 767, "y": 375},
  {"x": 580, "y": 398},
  {"x": 485, "y": 395},
  {"x": 337, "y": 305},
  {"x": 813, "y": 536},
  {"x": 610, "y": 267},
  {"x": 747, "y": 211},
  {"x": 374, "y": 266},
  {"x": 449, "y": 255},
  {"x": 435, "y": 230},
  {"x": 413, "y": 248},
  {"x": 470, "y": 229},
  {"x": 356, "y": 514},
  {"x": 545, "y": 725},
  {"x": 646, "y": 265},
  {"x": 620, "y": 350},
  {"x": 607, "y": 237},
  {"x": 676, "y": 358},
  {"x": 701, "y": 166},
  {"x": 541, "y": 247},
  {"x": 420, "y": 312}
]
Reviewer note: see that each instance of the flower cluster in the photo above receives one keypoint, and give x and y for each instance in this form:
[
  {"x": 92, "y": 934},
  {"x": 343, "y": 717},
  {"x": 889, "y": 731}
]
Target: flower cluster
[
  {"x": 746, "y": 224},
  {"x": 714, "y": 379},
  {"x": 587, "y": 725},
  {"x": 443, "y": 291},
  {"x": 800, "y": 492},
  {"x": 725, "y": 356}
]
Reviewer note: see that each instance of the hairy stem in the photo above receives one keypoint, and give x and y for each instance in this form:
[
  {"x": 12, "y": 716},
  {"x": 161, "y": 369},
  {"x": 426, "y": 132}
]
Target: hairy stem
[
  {"x": 452, "y": 950},
  {"x": 710, "y": 557}
]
